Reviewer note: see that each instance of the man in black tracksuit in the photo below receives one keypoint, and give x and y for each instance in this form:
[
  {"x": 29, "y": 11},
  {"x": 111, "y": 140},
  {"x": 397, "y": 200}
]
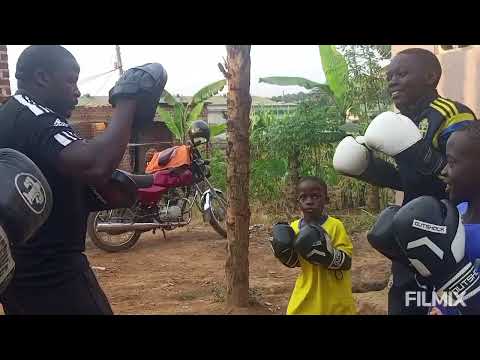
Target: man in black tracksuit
[{"x": 52, "y": 274}]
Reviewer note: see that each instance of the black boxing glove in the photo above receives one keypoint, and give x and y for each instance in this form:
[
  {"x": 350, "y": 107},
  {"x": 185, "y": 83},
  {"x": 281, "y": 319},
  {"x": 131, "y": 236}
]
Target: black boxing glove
[
  {"x": 282, "y": 245},
  {"x": 432, "y": 235},
  {"x": 145, "y": 84},
  {"x": 118, "y": 193},
  {"x": 381, "y": 237},
  {"x": 314, "y": 245},
  {"x": 25, "y": 204}
]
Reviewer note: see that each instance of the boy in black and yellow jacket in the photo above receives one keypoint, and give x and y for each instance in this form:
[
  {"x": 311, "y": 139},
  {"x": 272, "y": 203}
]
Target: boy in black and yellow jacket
[
  {"x": 413, "y": 76},
  {"x": 320, "y": 245}
]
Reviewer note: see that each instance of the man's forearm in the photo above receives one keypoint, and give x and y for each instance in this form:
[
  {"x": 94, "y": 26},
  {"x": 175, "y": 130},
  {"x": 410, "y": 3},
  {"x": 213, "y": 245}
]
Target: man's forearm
[
  {"x": 382, "y": 173},
  {"x": 93, "y": 161}
]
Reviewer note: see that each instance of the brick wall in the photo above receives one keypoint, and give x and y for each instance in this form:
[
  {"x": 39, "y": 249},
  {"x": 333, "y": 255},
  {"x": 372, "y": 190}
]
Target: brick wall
[
  {"x": 127, "y": 162},
  {"x": 91, "y": 121},
  {"x": 91, "y": 114},
  {"x": 88, "y": 122},
  {"x": 89, "y": 130},
  {"x": 4, "y": 74}
]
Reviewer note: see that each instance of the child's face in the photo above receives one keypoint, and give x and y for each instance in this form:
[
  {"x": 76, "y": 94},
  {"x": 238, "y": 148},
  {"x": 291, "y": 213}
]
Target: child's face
[
  {"x": 408, "y": 80},
  {"x": 462, "y": 173},
  {"x": 312, "y": 198}
]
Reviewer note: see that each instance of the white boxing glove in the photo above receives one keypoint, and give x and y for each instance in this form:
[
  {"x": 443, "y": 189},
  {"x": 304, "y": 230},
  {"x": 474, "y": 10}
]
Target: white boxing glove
[
  {"x": 391, "y": 133},
  {"x": 354, "y": 159},
  {"x": 351, "y": 157}
]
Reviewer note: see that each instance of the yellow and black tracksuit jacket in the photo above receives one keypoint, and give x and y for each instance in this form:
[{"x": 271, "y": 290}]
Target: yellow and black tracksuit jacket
[{"x": 437, "y": 118}]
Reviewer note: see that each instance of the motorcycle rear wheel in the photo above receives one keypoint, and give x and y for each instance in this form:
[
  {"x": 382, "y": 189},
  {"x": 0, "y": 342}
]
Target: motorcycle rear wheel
[{"x": 103, "y": 240}]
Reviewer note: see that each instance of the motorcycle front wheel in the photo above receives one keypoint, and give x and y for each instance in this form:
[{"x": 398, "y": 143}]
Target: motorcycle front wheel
[
  {"x": 217, "y": 213},
  {"x": 110, "y": 242}
]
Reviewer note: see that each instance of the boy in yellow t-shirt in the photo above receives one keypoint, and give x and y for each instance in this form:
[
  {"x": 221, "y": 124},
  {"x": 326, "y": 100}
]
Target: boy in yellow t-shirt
[{"x": 320, "y": 245}]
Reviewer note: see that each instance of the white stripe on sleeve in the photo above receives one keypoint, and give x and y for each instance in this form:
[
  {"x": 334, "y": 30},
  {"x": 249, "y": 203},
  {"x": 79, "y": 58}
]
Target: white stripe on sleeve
[
  {"x": 33, "y": 108},
  {"x": 69, "y": 135},
  {"x": 62, "y": 139}
]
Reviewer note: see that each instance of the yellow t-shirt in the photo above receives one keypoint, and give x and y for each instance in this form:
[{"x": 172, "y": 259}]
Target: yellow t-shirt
[{"x": 318, "y": 290}]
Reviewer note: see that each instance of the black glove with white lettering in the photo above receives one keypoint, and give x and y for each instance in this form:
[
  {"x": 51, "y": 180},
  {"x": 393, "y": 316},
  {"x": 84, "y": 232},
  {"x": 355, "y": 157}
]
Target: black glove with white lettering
[
  {"x": 314, "y": 245},
  {"x": 431, "y": 234}
]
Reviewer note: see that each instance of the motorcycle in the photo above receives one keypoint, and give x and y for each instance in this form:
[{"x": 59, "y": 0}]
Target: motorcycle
[{"x": 165, "y": 201}]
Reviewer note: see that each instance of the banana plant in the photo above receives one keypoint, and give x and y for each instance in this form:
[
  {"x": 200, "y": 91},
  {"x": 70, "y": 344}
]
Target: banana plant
[
  {"x": 335, "y": 69},
  {"x": 182, "y": 115},
  {"x": 217, "y": 129}
]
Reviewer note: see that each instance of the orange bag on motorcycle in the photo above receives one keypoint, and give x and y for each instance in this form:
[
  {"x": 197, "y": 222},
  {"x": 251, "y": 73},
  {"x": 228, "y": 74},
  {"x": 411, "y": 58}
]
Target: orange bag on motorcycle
[{"x": 174, "y": 157}]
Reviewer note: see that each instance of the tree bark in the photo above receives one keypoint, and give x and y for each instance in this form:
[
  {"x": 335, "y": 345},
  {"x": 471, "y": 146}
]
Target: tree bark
[
  {"x": 238, "y": 174},
  {"x": 373, "y": 198}
]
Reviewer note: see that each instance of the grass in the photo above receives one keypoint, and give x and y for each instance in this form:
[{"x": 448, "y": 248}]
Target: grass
[
  {"x": 190, "y": 295},
  {"x": 356, "y": 220},
  {"x": 218, "y": 291},
  {"x": 268, "y": 213},
  {"x": 254, "y": 294}
]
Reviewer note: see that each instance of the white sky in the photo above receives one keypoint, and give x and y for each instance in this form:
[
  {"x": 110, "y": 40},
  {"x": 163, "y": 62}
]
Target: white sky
[{"x": 189, "y": 67}]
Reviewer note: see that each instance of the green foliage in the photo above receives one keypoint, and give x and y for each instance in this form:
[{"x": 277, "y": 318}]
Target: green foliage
[
  {"x": 309, "y": 125},
  {"x": 355, "y": 86},
  {"x": 218, "y": 169},
  {"x": 366, "y": 83},
  {"x": 308, "y": 131},
  {"x": 195, "y": 112},
  {"x": 171, "y": 122},
  {"x": 217, "y": 129},
  {"x": 183, "y": 115},
  {"x": 335, "y": 69},
  {"x": 292, "y": 98},
  {"x": 267, "y": 178},
  {"x": 356, "y": 221},
  {"x": 207, "y": 92},
  {"x": 291, "y": 81}
]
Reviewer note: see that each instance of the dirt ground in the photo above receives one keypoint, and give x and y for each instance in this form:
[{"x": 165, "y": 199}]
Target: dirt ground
[{"x": 185, "y": 275}]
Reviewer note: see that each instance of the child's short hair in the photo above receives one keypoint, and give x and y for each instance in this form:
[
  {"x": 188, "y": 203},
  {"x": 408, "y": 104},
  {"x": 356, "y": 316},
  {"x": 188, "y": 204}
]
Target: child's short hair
[
  {"x": 315, "y": 179},
  {"x": 427, "y": 59}
]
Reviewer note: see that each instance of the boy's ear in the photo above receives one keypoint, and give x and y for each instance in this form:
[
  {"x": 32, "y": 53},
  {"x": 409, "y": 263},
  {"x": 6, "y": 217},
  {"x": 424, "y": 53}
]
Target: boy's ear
[
  {"x": 431, "y": 78},
  {"x": 41, "y": 78}
]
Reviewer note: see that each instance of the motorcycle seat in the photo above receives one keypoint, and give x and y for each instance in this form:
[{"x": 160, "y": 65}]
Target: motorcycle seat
[
  {"x": 142, "y": 181},
  {"x": 166, "y": 155}
]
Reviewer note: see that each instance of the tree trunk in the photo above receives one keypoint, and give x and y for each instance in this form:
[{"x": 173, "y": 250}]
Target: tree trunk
[
  {"x": 292, "y": 180},
  {"x": 373, "y": 198},
  {"x": 238, "y": 174}
]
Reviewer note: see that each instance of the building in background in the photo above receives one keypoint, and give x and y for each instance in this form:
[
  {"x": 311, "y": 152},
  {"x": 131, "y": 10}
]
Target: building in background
[
  {"x": 4, "y": 74},
  {"x": 217, "y": 107},
  {"x": 96, "y": 110},
  {"x": 91, "y": 117}
]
